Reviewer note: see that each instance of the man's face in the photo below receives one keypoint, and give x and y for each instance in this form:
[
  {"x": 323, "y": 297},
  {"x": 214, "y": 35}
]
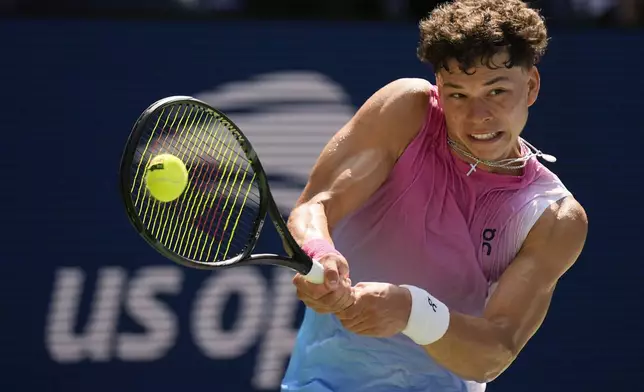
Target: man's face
[{"x": 486, "y": 109}]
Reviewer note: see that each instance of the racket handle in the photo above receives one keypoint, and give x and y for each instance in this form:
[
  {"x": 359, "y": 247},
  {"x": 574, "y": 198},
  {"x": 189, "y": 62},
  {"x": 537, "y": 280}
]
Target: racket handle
[{"x": 316, "y": 274}]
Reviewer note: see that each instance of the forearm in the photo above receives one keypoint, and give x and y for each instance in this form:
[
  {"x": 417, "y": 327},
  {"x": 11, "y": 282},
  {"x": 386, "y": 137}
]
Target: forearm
[
  {"x": 308, "y": 221},
  {"x": 473, "y": 348},
  {"x": 357, "y": 160}
]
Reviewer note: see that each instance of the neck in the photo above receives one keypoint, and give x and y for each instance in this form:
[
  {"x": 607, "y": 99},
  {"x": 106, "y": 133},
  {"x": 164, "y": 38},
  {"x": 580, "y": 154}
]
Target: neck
[{"x": 511, "y": 164}]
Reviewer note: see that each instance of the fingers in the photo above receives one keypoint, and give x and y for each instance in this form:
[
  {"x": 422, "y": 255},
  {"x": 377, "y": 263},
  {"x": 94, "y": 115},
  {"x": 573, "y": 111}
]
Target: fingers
[
  {"x": 335, "y": 268},
  {"x": 356, "y": 326},
  {"x": 321, "y": 307},
  {"x": 352, "y": 324},
  {"x": 335, "y": 294},
  {"x": 357, "y": 312},
  {"x": 366, "y": 328},
  {"x": 312, "y": 290},
  {"x": 351, "y": 312},
  {"x": 330, "y": 302},
  {"x": 355, "y": 317},
  {"x": 343, "y": 266},
  {"x": 359, "y": 318},
  {"x": 347, "y": 300}
]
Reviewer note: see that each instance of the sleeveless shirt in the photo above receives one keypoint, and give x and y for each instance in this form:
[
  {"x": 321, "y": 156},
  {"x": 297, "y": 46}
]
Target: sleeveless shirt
[{"x": 432, "y": 226}]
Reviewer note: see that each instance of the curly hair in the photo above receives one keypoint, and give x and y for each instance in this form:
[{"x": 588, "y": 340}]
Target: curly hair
[{"x": 470, "y": 31}]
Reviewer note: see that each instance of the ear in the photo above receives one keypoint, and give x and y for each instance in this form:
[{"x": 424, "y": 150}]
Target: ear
[
  {"x": 439, "y": 85},
  {"x": 439, "y": 80},
  {"x": 534, "y": 84}
]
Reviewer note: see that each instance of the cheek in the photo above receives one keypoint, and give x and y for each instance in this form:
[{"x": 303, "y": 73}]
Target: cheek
[
  {"x": 510, "y": 107},
  {"x": 517, "y": 115},
  {"x": 453, "y": 122},
  {"x": 453, "y": 114}
]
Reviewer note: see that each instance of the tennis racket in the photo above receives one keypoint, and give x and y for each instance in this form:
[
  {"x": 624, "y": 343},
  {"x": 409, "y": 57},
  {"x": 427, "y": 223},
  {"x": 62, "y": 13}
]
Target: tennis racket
[{"x": 218, "y": 218}]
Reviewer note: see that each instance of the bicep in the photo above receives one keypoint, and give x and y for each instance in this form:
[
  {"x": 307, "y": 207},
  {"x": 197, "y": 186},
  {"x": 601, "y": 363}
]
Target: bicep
[
  {"x": 359, "y": 158},
  {"x": 522, "y": 298},
  {"x": 346, "y": 174}
]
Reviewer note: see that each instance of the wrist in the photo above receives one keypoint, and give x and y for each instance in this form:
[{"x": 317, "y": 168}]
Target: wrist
[
  {"x": 428, "y": 319},
  {"x": 317, "y": 248}
]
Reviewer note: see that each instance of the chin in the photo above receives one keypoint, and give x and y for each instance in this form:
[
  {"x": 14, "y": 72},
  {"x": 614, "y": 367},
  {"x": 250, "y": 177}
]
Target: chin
[{"x": 491, "y": 150}]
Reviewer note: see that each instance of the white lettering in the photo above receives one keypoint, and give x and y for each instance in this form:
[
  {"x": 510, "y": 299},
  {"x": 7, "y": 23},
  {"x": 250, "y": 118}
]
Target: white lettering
[
  {"x": 207, "y": 314},
  {"x": 275, "y": 348},
  {"x": 151, "y": 313},
  {"x": 63, "y": 344},
  {"x": 262, "y": 317}
]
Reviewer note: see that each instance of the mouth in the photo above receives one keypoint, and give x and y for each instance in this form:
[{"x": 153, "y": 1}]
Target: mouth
[{"x": 485, "y": 137}]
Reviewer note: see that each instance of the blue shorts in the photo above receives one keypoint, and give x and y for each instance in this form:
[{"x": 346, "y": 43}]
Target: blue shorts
[{"x": 328, "y": 358}]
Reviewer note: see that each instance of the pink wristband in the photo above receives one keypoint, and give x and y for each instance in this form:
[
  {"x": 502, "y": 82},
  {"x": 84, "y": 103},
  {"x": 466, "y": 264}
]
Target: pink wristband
[{"x": 318, "y": 248}]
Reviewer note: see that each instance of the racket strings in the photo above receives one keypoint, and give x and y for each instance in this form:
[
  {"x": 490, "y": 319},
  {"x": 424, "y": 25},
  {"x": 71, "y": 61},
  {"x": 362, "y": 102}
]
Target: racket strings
[
  {"x": 215, "y": 216},
  {"x": 162, "y": 215},
  {"x": 165, "y": 239}
]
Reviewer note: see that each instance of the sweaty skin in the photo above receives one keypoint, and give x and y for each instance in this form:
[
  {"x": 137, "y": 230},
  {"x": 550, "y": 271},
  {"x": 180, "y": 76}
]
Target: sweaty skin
[
  {"x": 352, "y": 166},
  {"x": 357, "y": 161}
]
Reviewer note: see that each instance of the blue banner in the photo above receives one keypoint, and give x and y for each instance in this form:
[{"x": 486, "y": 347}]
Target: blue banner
[{"x": 87, "y": 305}]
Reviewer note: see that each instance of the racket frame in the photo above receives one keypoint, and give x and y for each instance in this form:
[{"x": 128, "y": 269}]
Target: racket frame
[{"x": 297, "y": 260}]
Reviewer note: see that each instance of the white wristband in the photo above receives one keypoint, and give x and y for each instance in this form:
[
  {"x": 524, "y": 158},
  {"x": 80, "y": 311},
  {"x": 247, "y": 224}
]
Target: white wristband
[{"x": 429, "y": 317}]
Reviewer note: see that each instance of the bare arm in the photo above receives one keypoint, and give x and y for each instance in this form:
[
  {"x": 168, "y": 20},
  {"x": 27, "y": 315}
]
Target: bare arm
[
  {"x": 359, "y": 158},
  {"x": 481, "y": 348}
]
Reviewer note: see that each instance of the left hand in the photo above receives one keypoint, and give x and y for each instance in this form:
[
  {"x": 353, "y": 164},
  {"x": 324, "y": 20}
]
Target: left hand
[{"x": 379, "y": 310}]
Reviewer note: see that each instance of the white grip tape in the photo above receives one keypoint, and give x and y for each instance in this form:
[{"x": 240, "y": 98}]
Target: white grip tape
[
  {"x": 429, "y": 317},
  {"x": 316, "y": 274}
]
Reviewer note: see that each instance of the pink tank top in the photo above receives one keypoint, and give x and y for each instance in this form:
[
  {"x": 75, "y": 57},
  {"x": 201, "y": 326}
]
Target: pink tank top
[{"x": 433, "y": 226}]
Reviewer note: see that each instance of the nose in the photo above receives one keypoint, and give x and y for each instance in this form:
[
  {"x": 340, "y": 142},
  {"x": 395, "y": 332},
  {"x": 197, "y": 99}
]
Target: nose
[{"x": 479, "y": 112}]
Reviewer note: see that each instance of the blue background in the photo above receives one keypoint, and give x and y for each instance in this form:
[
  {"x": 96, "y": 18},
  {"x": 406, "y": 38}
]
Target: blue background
[{"x": 71, "y": 91}]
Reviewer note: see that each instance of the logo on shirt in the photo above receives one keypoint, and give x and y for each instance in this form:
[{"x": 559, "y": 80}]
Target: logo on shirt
[{"x": 488, "y": 236}]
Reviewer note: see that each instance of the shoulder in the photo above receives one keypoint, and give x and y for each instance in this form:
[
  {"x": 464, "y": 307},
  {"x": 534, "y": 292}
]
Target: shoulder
[
  {"x": 571, "y": 220},
  {"x": 559, "y": 235},
  {"x": 410, "y": 93},
  {"x": 566, "y": 214},
  {"x": 399, "y": 109}
]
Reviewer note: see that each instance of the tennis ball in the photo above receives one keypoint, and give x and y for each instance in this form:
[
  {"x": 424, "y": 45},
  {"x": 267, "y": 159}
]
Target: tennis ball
[{"x": 166, "y": 177}]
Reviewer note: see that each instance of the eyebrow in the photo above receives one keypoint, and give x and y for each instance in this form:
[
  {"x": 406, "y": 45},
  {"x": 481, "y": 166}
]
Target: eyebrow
[{"x": 488, "y": 83}]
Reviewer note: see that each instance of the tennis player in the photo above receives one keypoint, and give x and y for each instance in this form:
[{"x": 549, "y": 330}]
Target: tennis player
[{"x": 452, "y": 231}]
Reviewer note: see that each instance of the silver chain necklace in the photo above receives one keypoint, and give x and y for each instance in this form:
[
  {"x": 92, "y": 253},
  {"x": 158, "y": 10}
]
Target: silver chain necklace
[{"x": 510, "y": 163}]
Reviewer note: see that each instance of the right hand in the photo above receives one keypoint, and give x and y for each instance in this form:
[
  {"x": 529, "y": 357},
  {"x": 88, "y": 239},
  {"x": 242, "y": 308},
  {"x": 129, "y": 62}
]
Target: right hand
[{"x": 332, "y": 296}]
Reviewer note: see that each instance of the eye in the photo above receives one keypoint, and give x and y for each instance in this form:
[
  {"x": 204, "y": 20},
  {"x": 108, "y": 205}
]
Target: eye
[
  {"x": 497, "y": 91},
  {"x": 456, "y": 95}
]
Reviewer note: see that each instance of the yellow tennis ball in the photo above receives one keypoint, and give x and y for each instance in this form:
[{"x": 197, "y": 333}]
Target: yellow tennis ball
[{"x": 166, "y": 177}]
